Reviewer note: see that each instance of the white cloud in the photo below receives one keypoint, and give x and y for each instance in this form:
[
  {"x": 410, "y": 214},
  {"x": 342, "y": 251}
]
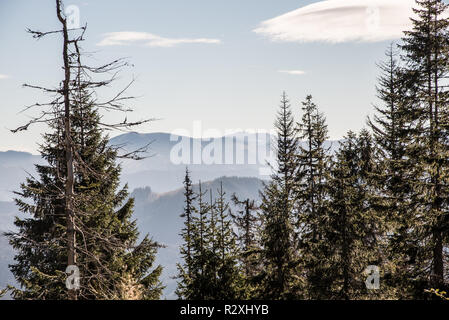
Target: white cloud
[
  {"x": 3, "y": 76},
  {"x": 337, "y": 21},
  {"x": 293, "y": 72},
  {"x": 149, "y": 39}
]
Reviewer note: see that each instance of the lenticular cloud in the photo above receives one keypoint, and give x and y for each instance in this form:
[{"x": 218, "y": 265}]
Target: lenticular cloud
[{"x": 338, "y": 21}]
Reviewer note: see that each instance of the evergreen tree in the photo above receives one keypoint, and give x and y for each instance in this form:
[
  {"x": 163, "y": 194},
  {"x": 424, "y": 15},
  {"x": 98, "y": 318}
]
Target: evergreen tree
[
  {"x": 76, "y": 199},
  {"x": 425, "y": 50},
  {"x": 313, "y": 160},
  {"x": 187, "y": 233},
  {"x": 277, "y": 238},
  {"x": 230, "y": 281},
  {"x": 212, "y": 252},
  {"x": 200, "y": 286},
  {"x": 109, "y": 253},
  {"x": 247, "y": 223},
  {"x": 213, "y": 271},
  {"x": 393, "y": 129},
  {"x": 351, "y": 230}
]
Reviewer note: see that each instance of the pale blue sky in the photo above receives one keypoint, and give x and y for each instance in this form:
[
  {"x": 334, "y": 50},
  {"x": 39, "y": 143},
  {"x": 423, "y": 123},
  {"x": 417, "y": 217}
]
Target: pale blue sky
[{"x": 232, "y": 84}]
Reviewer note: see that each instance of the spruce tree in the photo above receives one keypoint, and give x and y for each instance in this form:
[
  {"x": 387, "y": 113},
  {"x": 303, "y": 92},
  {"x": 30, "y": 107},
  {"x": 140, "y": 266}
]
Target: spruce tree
[
  {"x": 352, "y": 231},
  {"x": 212, "y": 253},
  {"x": 230, "y": 281},
  {"x": 278, "y": 249},
  {"x": 425, "y": 49},
  {"x": 79, "y": 216},
  {"x": 200, "y": 286},
  {"x": 247, "y": 223},
  {"x": 213, "y": 272},
  {"x": 109, "y": 254},
  {"x": 313, "y": 160},
  {"x": 185, "y": 270},
  {"x": 392, "y": 128}
]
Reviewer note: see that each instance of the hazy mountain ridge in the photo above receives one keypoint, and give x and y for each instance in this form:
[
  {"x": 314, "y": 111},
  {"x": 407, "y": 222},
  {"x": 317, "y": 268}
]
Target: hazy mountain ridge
[
  {"x": 157, "y": 170},
  {"x": 159, "y": 167}
]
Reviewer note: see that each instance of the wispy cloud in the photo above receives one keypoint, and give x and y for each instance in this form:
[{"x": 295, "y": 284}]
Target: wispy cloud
[
  {"x": 337, "y": 21},
  {"x": 3, "y": 76},
  {"x": 149, "y": 39},
  {"x": 293, "y": 72}
]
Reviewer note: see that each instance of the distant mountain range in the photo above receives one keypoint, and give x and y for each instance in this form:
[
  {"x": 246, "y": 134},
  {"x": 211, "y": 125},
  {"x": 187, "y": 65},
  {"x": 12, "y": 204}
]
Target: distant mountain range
[
  {"x": 158, "y": 170},
  {"x": 161, "y": 173},
  {"x": 241, "y": 155}
]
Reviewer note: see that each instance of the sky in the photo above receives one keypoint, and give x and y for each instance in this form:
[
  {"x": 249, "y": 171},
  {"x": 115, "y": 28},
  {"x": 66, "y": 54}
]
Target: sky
[{"x": 224, "y": 63}]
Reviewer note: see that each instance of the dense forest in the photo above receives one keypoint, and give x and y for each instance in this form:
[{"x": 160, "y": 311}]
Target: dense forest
[{"x": 369, "y": 221}]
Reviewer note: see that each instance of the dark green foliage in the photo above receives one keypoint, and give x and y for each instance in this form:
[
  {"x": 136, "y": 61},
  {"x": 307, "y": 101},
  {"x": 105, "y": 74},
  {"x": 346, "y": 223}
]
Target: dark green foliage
[
  {"x": 277, "y": 238},
  {"x": 211, "y": 269},
  {"x": 229, "y": 279},
  {"x": 425, "y": 53},
  {"x": 311, "y": 190},
  {"x": 200, "y": 286},
  {"x": 247, "y": 223},
  {"x": 393, "y": 129},
  {"x": 108, "y": 254},
  {"x": 351, "y": 229},
  {"x": 187, "y": 233}
]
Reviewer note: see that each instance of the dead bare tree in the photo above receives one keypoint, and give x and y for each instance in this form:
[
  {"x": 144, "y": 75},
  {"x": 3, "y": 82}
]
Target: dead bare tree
[{"x": 68, "y": 97}]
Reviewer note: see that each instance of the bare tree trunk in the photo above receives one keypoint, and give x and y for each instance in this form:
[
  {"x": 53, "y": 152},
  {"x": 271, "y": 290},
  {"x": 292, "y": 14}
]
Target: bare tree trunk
[
  {"x": 71, "y": 241},
  {"x": 61, "y": 116}
]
